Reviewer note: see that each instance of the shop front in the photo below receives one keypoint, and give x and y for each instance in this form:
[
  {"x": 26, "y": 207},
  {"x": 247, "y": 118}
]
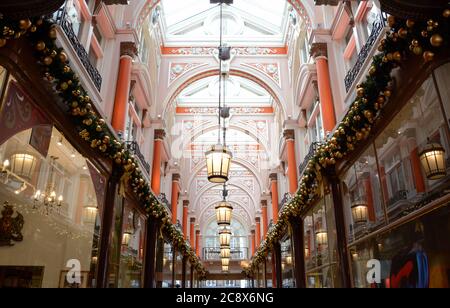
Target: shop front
[{"x": 395, "y": 194}]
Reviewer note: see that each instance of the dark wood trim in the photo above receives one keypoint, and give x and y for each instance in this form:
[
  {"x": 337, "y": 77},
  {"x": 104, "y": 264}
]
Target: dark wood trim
[
  {"x": 183, "y": 272},
  {"x": 192, "y": 276},
  {"x": 106, "y": 231},
  {"x": 299, "y": 252},
  {"x": 150, "y": 254},
  {"x": 276, "y": 256},
  {"x": 341, "y": 233}
]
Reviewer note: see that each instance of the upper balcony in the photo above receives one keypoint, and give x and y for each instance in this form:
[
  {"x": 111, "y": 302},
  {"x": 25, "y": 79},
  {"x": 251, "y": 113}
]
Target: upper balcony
[
  {"x": 62, "y": 19},
  {"x": 366, "y": 53}
]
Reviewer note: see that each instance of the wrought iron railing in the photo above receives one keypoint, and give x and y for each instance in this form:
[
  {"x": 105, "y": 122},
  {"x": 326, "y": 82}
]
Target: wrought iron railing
[
  {"x": 62, "y": 19},
  {"x": 136, "y": 150},
  {"x": 285, "y": 200},
  {"x": 377, "y": 29},
  {"x": 163, "y": 199},
  {"x": 398, "y": 196},
  {"x": 213, "y": 253},
  {"x": 312, "y": 150}
]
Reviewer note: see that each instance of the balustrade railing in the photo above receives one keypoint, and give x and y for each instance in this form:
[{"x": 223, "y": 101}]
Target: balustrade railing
[
  {"x": 377, "y": 29},
  {"x": 213, "y": 253},
  {"x": 136, "y": 150},
  {"x": 312, "y": 150},
  {"x": 62, "y": 19}
]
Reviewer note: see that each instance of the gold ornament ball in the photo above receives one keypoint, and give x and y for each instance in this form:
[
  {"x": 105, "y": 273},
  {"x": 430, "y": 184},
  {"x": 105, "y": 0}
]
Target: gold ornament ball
[
  {"x": 424, "y": 33},
  {"x": 387, "y": 93},
  {"x": 430, "y": 28},
  {"x": 430, "y": 22},
  {"x": 410, "y": 23},
  {"x": 33, "y": 29},
  {"x": 436, "y": 40},
  {"x": 64, "y": 86},
  {"x": 360, "y": 92},
  {"x": 446, "y": 13},
  {"x": 390, "y": 56},
  {"x": 52, "y": 33},
  {"x": 24, "y": 24},
  {"x": 397, "y": 56},
  {"x": 40, "y": 46},
  {"x": 48, "y": 61},
  {"x": 428, "y": 56},
  {"x": 98, "y": 128},
  {"x": 2, "y": 42},
  {"x": 417, "y": 50},
  {"x": 402, "y": 33},
  {"x": 391, "y": 21},
  {"x": 63, "y": 57}
]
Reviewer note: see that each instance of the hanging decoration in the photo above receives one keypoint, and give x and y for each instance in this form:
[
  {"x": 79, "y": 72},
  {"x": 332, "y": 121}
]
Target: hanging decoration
[
  {"x": 92, "y": 128},
  {"x": 406, "y": 39}
]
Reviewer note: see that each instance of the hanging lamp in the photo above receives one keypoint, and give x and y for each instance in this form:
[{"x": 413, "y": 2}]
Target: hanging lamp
[
  {"x": 224, "y": 210},
  {"x": 218, "y": 158}
]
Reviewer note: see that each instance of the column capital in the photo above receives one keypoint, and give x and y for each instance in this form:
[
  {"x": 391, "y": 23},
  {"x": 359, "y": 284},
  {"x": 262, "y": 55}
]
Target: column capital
[
  {"x": 263, "y": 203},
  {"x": 160, "y": 134},
  {"x": 176, "y": 177},
  {"x": 128, "y": 49},
  {"x": 252, "y": 231},
  {"x": 185, "y": 203},
  {"x": 318, "y": 50},
  {"x": 289, "y": 134},
  {"x": 192, "y": 220},
  {"x": 197, "y": 232},
  {"x": 273, "y": 176},
  {"x": 257, "y": 219}
]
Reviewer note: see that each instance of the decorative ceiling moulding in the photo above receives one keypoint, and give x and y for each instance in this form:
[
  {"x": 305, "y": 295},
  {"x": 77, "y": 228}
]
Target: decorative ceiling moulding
[
  {"x": 419, "y": 9},
  {"x": 18, "y": 9}
]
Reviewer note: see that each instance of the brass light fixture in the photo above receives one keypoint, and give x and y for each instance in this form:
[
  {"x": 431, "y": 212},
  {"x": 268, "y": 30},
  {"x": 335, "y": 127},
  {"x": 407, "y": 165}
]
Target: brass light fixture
[
  {"x": 224, "y": 238},
  {"x": 225, "y": 269},
  {"x": 224, "y": 210},
  {"x": 322, "y": 237},
  {"x": 360, "y": 212},
  {"x": 432, "y": 158},
  {"x": 23, "y": 165},
  {"x": 225, "y": 261},
  {"x": 218, "y": 158},
  {"x": 225, "y": 252},
  {"x": 90, "y": 212},
  {"x": 49, "y": 198}
]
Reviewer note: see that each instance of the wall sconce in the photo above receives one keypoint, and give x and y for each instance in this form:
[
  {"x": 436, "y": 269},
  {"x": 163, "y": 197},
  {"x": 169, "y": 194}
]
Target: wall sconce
[
  {"x": 4, "y": 166},
  {"x": 90, "y": 213},
  {"x": 322, "y": 237},
  {"x": 432, "y": 158},
  {"x": 126, "y": 236},
  {"x": 360, "y": 212},
  {"x": 289, "y": 260}
]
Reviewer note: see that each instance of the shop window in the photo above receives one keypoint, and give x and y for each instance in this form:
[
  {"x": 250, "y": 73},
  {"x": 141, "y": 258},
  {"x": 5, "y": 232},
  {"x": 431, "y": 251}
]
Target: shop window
[
  {"x": 164, "y": 264},
  {"x": 320, "y": 246},
  {"x": 48, "y": 187},
  {"x": 269, "y": 271},
  {"x": 178, "y": 269},
  {"x": 132, "y": 249},
  {"x": 362, "y": 196},
  {"x": 287, "y": 267}
]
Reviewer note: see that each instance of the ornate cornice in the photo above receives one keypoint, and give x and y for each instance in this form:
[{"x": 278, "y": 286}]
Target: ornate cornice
[
  {"x": 160, "y": 134},
  {"x": 318, "y": 50},
  {"x": 289, "y": 134},
  {"x": 418, "y": 9},
  {"x": 13, "y": 9},
  {"x": 128, "y": 49}
]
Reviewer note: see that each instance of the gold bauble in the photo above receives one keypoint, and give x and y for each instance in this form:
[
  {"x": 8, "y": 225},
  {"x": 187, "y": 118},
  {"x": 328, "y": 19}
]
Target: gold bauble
[
  {"x": 410, "y": 23},
  {"x": 2, "y": 42},
  {"x": 64, "y": 86},
  {"x": 24, "y": 24},
  {"x": 106, "y": 139},
  {"x": 390, "y": 56},
  {"x": 428, "y": 56},
  {"x": 417, "y": 50},
  {"x": 402, "y": 33},
  {"x": 359, "y": 136},
  {"x": 63, "y": 57},
  {"x": 74, "y": 104},
  {"x": 391, "y": 21},
  {"x": 381, "y": 100},
  {"x": 430, "y": 28},
  {"x": 387, "y": 93},
  {"x": 397, "y": 56},
  {"x": 48, "y": 61},
  {"x": 66, "y": 69},
  {"x": 40, "y": 46},
  {"x": 33, "y": 29},
  {"x": 430, "y": 22},
  {"x": 52, "y": 33},
  {"x": 98, "y": 128},
  {"x": 446, "y": 13},
  {"x": 360, "y": 92},
  {"x": 415, "y": 42},
  {"x": 88, "y": 122},
  {"x": 372, "y": 70},
  {"x": 424, "y": 33},
  {"x": 436, "y": 40}
]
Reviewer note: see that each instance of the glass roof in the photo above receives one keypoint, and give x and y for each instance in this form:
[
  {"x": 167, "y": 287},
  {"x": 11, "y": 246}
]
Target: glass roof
[{"x": 243, "y": 21}]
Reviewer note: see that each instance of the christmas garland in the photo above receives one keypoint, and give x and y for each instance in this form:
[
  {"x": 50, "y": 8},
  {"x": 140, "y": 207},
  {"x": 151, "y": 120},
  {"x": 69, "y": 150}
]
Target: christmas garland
[
  {"x": 91, "y": 127},
  {"x": 406, "y": 39}
]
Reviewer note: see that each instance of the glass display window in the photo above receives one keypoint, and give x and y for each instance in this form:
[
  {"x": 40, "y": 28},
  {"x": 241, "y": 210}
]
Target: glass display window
[
  {"x": 49, "y": 194},
  {"x": 287, "y": 263},
  {"x": 165, "y": 264},
  {"x": 132, "y": 249}
]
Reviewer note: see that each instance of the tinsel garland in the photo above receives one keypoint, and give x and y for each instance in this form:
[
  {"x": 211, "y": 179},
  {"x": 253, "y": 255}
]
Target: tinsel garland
[
  {"x": 42, "y": 35},
  {"x": 406, "y": 39}
]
